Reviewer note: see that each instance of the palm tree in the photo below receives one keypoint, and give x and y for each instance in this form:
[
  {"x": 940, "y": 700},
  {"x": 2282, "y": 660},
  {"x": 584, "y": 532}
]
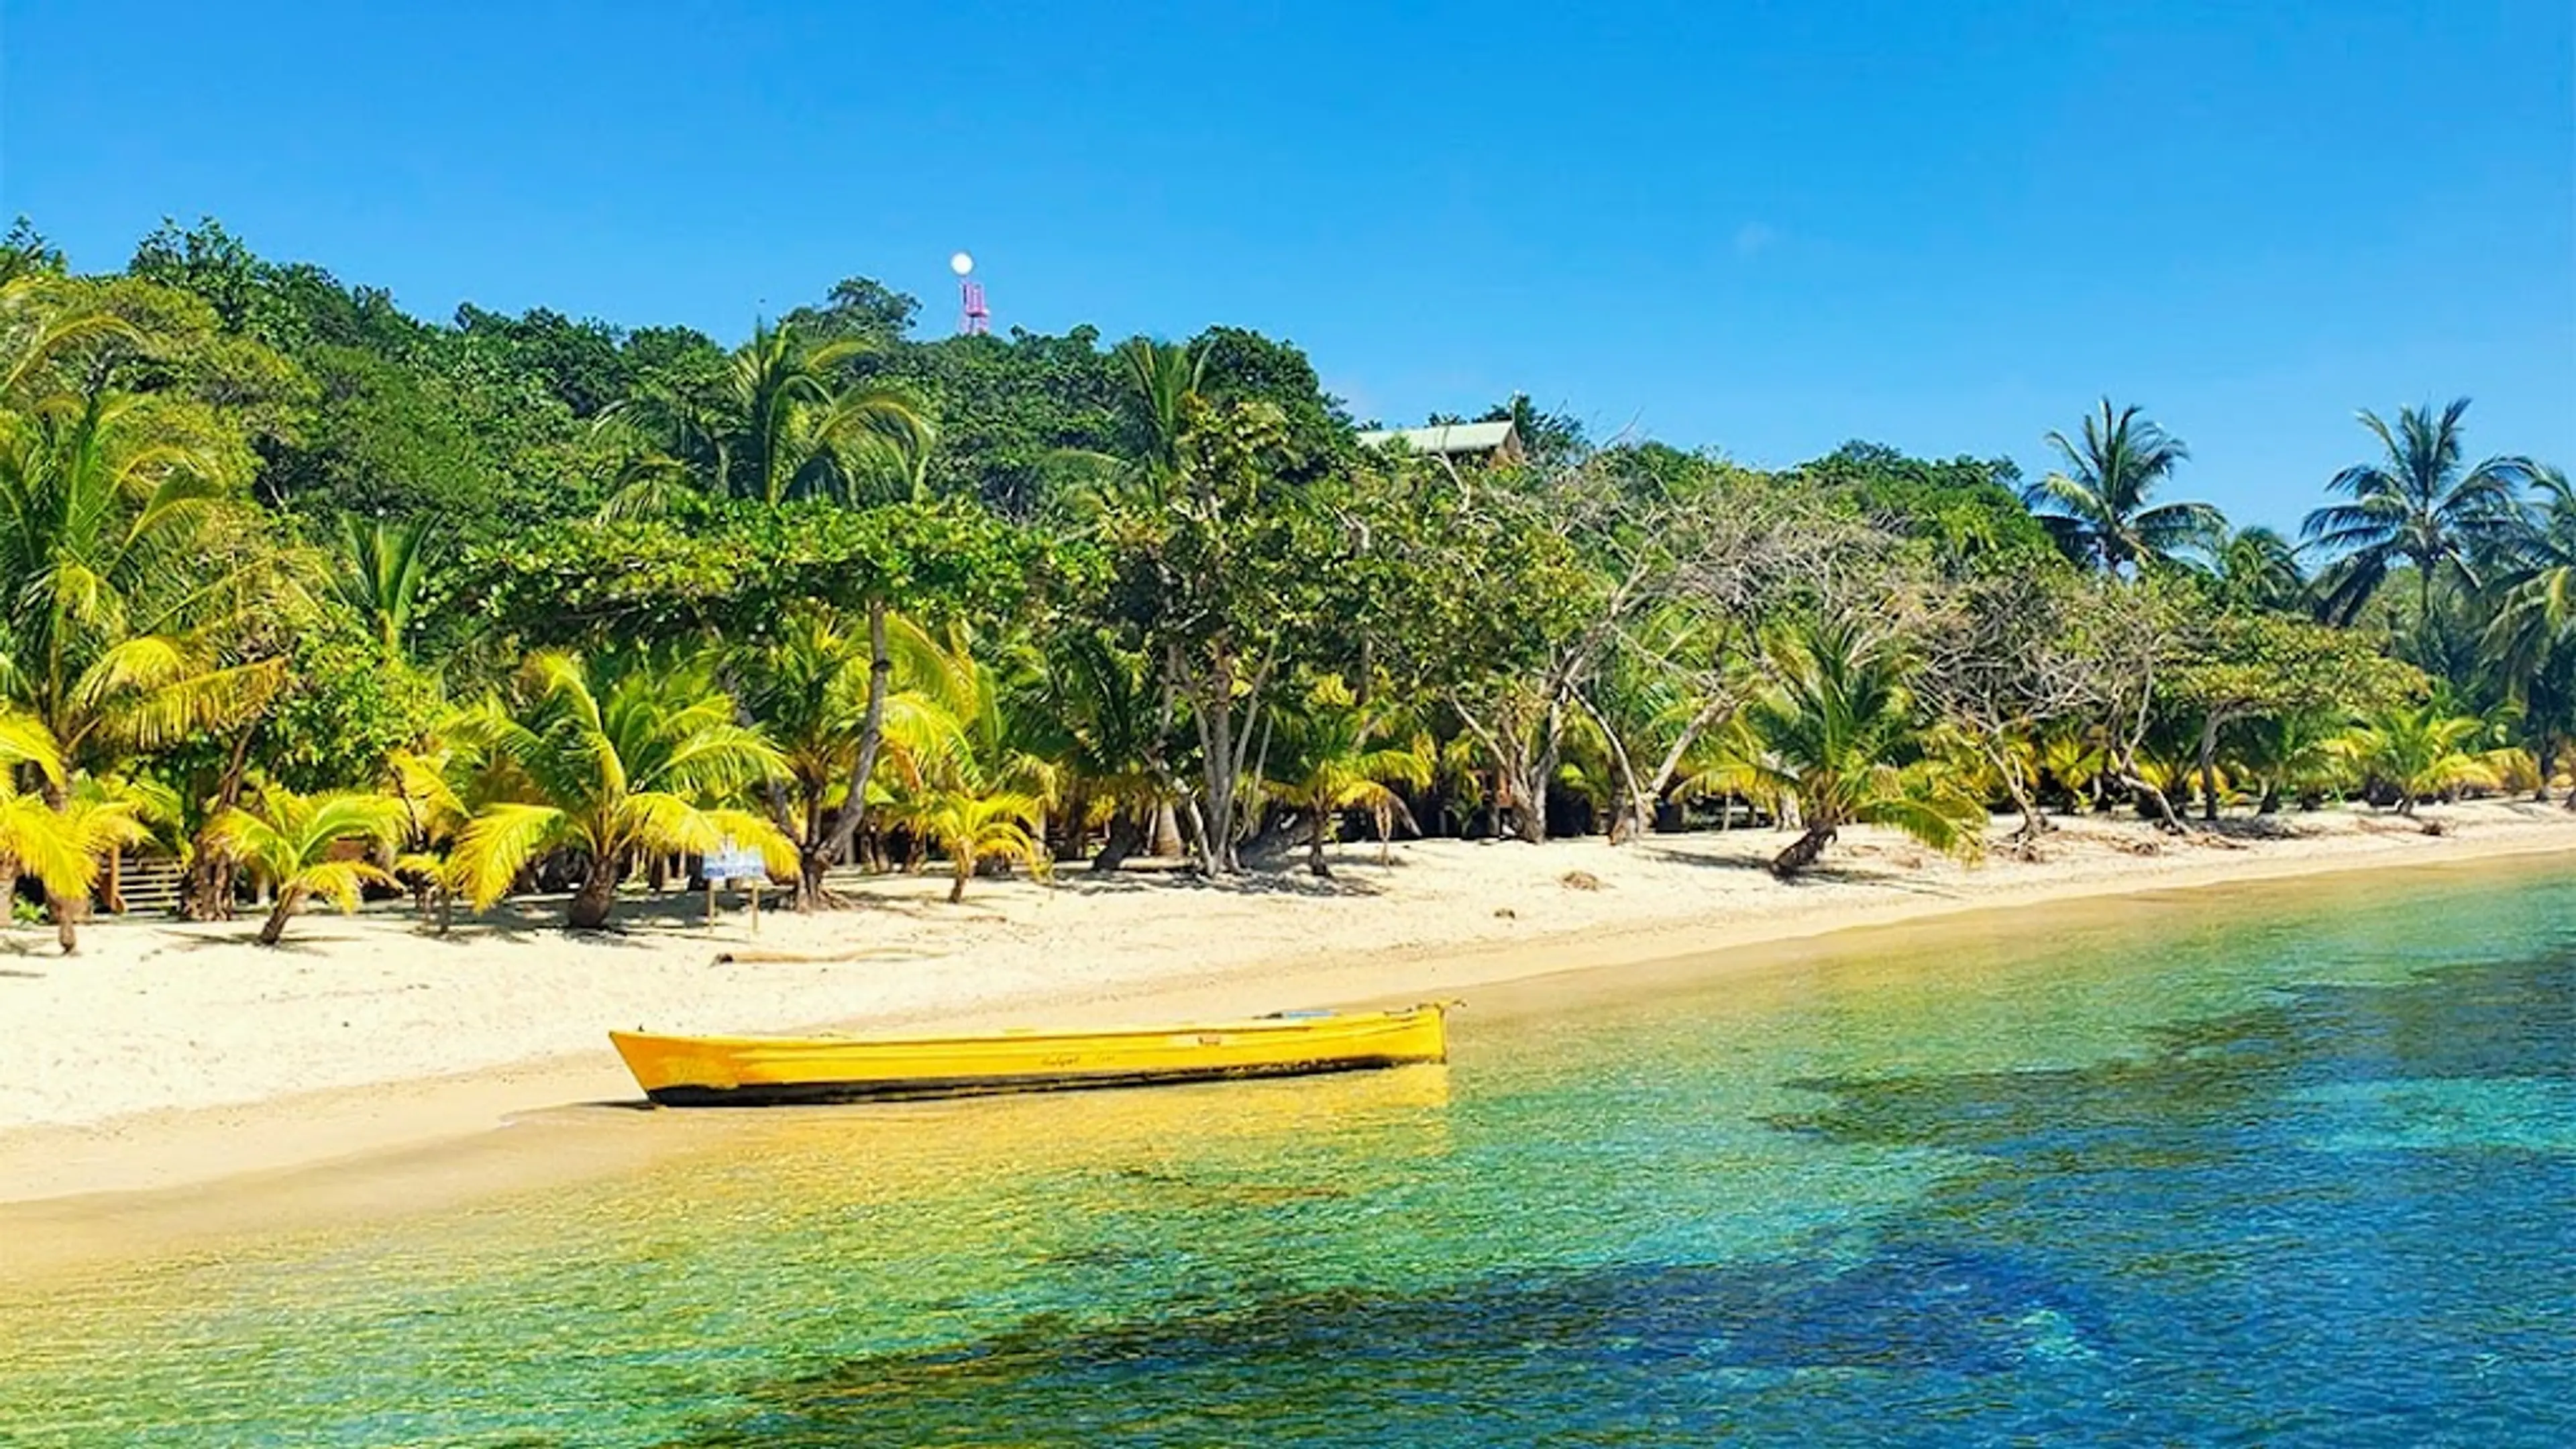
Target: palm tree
[
  {"x": 2532, "y": 638},
  {"x": 1164, "y": 383},
  {"x": 2258, "y": 570},
  {"x": 784, "y": 421},
  {"x": 2417, "y": 504},
  {"x": 611, "y": 758},
  {"x": 382, "y": 568},
  {"x": 2100, "y": 509},
  {"x": 59, "y": 840},
  {"x": 2418, "y": 750},
  {"x": 36, "y": 326},
  {"x": 1838, "y": 735},
  {"x": 1333, "y": 762},
  {"x": 122, "y": 598},
  {"x": 970, "y": 825},
  {"x": 293, "y": 843},
  {"x": 1106, "y": 704}
]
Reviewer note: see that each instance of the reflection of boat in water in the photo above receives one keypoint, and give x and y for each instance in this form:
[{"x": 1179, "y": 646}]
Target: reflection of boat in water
[{"x": 723, "y": 1071}]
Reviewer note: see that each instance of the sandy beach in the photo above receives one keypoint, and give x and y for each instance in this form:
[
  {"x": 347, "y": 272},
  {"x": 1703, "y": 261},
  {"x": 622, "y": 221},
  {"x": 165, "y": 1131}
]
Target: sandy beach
[{"x": 168, "y": 1054}]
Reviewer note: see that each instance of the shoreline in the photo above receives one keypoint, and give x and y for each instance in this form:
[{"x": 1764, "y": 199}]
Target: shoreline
[{"x": 86, "y": 1178}]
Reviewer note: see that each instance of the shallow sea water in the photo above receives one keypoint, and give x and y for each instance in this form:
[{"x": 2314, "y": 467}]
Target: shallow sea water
[{"x": 2279, "y": 1165}]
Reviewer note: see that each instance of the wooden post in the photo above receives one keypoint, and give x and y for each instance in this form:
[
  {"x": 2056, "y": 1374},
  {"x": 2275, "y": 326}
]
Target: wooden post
[
  {"x": 711, "y": 903},
  {"x": 755, "y": 907}
]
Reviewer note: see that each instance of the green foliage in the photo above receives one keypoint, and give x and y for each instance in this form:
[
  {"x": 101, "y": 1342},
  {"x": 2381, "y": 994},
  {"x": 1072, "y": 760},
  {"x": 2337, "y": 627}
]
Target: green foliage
[
  {"x": 349, "y": 706},
  {"x": 1967, "y": 510},
  {"x": 737, "y": 571}
]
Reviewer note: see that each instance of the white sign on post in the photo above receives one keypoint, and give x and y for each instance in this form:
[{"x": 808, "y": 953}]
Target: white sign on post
[{"x": 730, "y": 862}]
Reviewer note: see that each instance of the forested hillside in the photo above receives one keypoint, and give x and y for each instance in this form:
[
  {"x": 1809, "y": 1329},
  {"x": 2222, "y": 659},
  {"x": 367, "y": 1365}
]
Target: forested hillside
[{"x": 307, "y": 590}]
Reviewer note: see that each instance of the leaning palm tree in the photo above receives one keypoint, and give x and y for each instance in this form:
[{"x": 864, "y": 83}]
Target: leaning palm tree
[
  {"x": 608, "y": 759},
  {"x": 2101, "y": 510},
  {"x": 2418, "y": 751},
  {"x": 1332, "y": 760},
  {"x": 1838, "y": 736},
  {"x": 2417, "y": 504},
  {"x": 297, "y": 845},
  {"x": 970, "y": 825}
]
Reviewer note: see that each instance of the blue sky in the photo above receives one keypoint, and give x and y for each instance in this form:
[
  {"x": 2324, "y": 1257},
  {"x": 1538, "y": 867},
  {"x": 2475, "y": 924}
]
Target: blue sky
[{"x": 1762, "y": 228}]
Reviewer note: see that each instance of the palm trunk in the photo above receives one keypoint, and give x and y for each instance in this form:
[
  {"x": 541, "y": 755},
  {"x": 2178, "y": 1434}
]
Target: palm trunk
[
  {"x": 8, "y": 890},
  {"x": 965, "y": 866},
  {"x": 1319, "y": 820},
  {"x": 278, "y": 915},
  {"x": 2547, "y": 755},
  {"x": 815, "y": 857},
  {"x": 1803, "y": 851},
  {"x": 2209, "y": 768},
  {"x": 598, "y": 893}
]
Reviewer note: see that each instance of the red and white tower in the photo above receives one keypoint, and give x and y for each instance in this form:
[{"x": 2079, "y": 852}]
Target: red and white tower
[{"x": 972, "y": 318}]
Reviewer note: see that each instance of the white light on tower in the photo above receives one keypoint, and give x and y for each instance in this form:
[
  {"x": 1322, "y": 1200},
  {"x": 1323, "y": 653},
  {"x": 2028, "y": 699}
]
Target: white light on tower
[{"x": 971, "y": 316}]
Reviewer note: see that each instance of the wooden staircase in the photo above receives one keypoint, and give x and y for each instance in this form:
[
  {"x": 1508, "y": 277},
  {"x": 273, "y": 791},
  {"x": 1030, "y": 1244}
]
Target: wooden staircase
[{"x": 146, "y": 887}]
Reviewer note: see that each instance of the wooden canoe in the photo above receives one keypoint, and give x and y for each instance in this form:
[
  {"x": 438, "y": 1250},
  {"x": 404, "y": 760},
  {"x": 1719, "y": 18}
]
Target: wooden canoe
[{"x": 752, "y": 1071}]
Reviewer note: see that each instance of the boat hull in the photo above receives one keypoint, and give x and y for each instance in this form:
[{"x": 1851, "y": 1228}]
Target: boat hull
[{"x": 682, "y": 1071}]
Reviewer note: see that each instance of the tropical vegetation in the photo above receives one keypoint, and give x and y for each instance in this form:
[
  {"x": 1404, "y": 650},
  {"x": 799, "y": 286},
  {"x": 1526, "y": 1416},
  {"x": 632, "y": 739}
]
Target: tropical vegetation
[{"x": 309, "y": 598}]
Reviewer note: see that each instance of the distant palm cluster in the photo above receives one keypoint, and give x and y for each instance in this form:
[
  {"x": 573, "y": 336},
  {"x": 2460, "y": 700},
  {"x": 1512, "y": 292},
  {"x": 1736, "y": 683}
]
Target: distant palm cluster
[{"x": 311, "y": 600}]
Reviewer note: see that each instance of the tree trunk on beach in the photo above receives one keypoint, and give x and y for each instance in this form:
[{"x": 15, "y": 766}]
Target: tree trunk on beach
[
  {"x": 1803, "y": 851},
  {"x": 591, "y": 903},
  {"x": 1318, "y": 821},
  {"x": 2209, "y": 768},
  {"x": 818, "y": 855},
  {"x": 278, "y": 915}
]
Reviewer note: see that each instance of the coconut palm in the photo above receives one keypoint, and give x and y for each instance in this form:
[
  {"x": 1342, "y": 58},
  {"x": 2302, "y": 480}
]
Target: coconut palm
[
  {"x": 2417, "y": 504},
  {"x": 2258, "y": 570},
  {"x": 52, "y": 833},
  {"x": 2419, "y": 751},
  {"x": 971, "y": 825},
  {"x": 785, "y": 420},
  {"x": 1330, "y": 759},
  {"x": 36, "y": 325},
  {"x": 1837, "y": 734},
  {"x": 296, "y": 844},
  {"x": 2101, "y": 510},
  {"x": 2294, "y": 754},
  {"x": 1104, "y": 701},
  {"x": 608, "y": 758},
  {"x": 382, "y": 569},
  {"x": 121, "y": 595}
]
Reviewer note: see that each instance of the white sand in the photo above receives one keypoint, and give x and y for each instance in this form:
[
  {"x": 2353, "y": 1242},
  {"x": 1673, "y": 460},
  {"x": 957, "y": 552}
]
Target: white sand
[{"x": 199, "y": 1025}]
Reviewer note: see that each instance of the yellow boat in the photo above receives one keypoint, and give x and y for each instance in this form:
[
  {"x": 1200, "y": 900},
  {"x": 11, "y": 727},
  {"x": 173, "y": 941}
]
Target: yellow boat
[{"x": 755, "y": 1071}]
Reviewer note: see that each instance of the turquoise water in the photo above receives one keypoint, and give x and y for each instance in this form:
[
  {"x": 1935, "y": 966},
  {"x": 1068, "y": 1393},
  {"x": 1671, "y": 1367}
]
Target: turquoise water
[{"x": 2284, "y": 1165}]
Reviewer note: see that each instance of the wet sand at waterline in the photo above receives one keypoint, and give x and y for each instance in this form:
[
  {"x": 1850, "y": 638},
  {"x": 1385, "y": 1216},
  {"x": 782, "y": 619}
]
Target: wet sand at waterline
[{"x": 178, "y": 1074}]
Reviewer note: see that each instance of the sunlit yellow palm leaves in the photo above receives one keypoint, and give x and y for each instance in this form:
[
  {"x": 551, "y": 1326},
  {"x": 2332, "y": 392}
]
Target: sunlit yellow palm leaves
[
  {"x": 60, "y": 845},
  {"x": 293, "y": 841},
  {"x": 121, "y": 599},
  {"x": 608, "y": 758}
]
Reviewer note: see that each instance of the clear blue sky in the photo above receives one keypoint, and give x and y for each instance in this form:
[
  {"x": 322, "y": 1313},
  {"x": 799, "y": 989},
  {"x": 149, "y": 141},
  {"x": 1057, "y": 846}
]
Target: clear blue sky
[{"x": 1764, "y": 228}]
